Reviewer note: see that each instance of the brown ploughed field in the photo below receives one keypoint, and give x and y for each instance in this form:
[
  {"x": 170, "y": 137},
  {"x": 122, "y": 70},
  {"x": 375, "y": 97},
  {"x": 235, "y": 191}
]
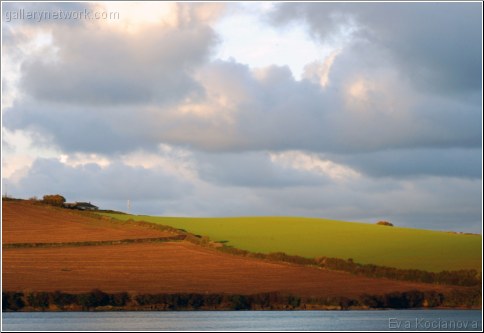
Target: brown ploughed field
[
  {"x": 176, "y": 267},
  {"x": 152, "y": 267},
  {"x": 24, "y": 222}
]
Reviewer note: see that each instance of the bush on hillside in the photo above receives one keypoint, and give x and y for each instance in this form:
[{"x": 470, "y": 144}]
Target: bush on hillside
[
  {"x": 385, "y": 223},
  {"x": 54, "y": 200}
]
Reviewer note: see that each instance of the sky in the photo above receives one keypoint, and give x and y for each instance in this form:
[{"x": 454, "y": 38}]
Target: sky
[{"x": 351, "y": 111}]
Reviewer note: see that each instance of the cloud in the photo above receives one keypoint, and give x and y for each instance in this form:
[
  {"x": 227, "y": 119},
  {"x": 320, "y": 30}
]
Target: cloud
[
  {"x": 442, "y": 54},
  {"x": 130, "y": 58},
  {"x": 363, "y": 110},
  {"x": 408, "y": 163},
  {"x": 314, "y": 164},
  {"x": 73, "y": 128},
  {"x": 157, "y": 85},
  {"x": 267, "y": 109},
  {"x": 104, "y": 66},
  {"x": 115, "y": 181},
  {"x": 253, "y": 170}
]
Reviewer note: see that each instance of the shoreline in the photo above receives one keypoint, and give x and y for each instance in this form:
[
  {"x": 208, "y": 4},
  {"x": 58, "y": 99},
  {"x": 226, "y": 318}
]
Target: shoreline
[{"x": 324, "y": 309}]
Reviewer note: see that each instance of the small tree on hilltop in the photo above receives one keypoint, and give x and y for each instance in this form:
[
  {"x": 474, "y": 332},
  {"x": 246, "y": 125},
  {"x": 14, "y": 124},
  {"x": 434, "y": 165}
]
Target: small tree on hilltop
[
  {"x": 385, "y": 223},
  {"x": 54, "y": 200}
]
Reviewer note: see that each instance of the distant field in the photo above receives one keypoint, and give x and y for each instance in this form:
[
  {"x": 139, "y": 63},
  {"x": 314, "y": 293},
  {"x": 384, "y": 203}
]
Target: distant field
[{"x": 308, "y": 237}]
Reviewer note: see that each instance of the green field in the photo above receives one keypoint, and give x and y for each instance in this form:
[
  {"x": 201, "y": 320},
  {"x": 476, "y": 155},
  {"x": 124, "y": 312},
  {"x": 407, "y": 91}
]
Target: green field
[{"x": 310, "y": 237}]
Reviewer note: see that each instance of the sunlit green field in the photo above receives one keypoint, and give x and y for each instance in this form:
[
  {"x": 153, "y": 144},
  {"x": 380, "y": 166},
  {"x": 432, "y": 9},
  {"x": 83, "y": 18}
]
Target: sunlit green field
[{"x": 308, "y": 237}]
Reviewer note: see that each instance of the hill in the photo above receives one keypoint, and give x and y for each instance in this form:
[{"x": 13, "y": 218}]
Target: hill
[
  {"x": 26, "y": 222},
  {"x": 310, "y": 237},
  {"x": 150, "y": 267}
]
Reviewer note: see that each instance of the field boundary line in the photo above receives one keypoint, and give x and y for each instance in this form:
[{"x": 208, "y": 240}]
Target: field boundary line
[{"x": 94, "y": 243}]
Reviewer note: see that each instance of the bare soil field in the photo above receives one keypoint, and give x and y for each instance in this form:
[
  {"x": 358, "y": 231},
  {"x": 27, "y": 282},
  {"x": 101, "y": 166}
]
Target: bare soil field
[
  {"x": 177, "y": 267},
  {"x": 24, "y": 222}
]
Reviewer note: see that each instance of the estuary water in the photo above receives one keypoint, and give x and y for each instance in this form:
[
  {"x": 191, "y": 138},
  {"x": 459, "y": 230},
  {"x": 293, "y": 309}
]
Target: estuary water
[{"x": 384, "y": 320}]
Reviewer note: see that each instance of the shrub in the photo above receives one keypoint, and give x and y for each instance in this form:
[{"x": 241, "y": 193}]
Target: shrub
[
  {"x": 38, "y": 300},
  {"x": 196, "y": 301},
  {"x": 459, "y": 278},
  {"x": 54, "y": 200},
  {"x": 93, "y": 299},
  {"x": 62, "y": 299},
  {"x": 12, "y": 301},
  {"x": 240, "y": 302},
  {"x": 118, "y": 299},
  {"x": 293, "y": 301},
  {"x": 433, "y": 299},
  {"x": 372, "y": 301},
  {"x": 385, "y": 223}
]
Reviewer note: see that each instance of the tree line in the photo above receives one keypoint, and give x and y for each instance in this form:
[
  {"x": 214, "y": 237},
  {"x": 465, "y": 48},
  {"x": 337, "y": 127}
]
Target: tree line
[
  {"x": 465, "y": 277},
  {"x": 99, "y": 300}
]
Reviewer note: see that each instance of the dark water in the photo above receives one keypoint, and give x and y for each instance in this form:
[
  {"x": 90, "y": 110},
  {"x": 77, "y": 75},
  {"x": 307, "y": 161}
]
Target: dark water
[{"x": 247, "y": 320}]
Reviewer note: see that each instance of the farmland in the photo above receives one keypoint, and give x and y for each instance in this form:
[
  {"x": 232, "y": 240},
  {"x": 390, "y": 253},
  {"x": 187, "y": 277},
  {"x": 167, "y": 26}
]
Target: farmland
[
  {"x": 147, "y": 267},
  {"x": 177, "y": 267},
  {"x": 25, "y": 222},
  {"x": 309, "y": 237},
  {"x": 42, "y": 251}
]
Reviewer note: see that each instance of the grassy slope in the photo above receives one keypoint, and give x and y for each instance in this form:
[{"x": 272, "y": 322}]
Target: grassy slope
[{"x": 364, "y": 243}]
